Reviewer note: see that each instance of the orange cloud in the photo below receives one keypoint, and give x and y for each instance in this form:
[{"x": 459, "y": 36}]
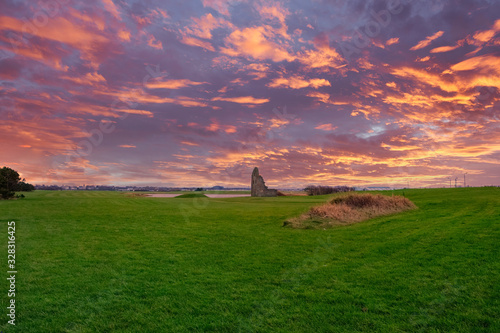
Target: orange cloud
[
  {"x": 95, "y": 20},
  {"x": 322, "y": 56},
  {"x": 424, "y": 59},
  {"x": 322, "y": 97},
  {"x": 42, "y": 136},
  {"x": 219, "y": 5},
  {"x": 111, "y": 7},
  {"x": 39, "y": 53},
  {"x": 89, "y": 79},
  {"x": 278, "y": 122},
  {"x": 140, "y": 96},
  {"x": 214, "y": 126},
  {"x": 276, "y": 12},
  {"x": 60, "y": 30},
  {"x": 484, "y": 64},
  {"x": 426, "y": 77},
  {"x": 203, "y": 26},
  {"x": 172, "y": 84},
  {"x": 188, "y": 143},
  {"x": 255, "y": 42},
  {"x": 242, "y": 100},
  {"x": 443, "y": 49},
  {"x": 427, "y": 41},
  {"x": 197, "y": 42},
  {"x": 153, "y": 42},
  {"x": 127, "y": 146},
  {"x": 326, "y": 127},
  {"x": 484, "y": 36},
  {"x": 399, "y": 148},
  {"x": 392, "y": 41},
  {"x": 298, "y": 82},
  {"x": 101, "y": 111},
  {"x": 487, "y": 35},
  {"x": 414, "y": 100},
  {"x": 365, "y": 64},
  {"x": 124, "y": 35},
  {"x": 260, "y": 71}
]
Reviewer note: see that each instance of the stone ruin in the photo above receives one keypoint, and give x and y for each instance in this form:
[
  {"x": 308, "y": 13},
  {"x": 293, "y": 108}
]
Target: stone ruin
[{"x": 259, "y": 188}]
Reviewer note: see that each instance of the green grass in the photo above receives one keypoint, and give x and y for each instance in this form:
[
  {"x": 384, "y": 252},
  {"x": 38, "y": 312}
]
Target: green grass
[
  {"x": 204, "y": 192},
  {"x": 192, "y": 195},
  {"x": 108, "y": 262}
]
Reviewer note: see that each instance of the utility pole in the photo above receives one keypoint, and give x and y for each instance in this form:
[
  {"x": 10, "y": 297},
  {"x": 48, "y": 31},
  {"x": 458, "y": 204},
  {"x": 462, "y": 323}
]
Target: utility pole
[
  {"x": 456, "y": 178},
  {"x": 464, "y": 178}
]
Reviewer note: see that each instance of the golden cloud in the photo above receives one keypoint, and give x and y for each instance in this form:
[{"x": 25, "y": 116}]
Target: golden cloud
[
  {"x": 197, "y": 42},
  {"x": 111, "y": 7},
  {"x": 242, "y": 100},
  {"x": 443, "y": 49},
  {"x": 172, "y": 84},
  {"x": 427, "y": 41},
  {"x": 298, "y": 82},
  {"x": 326, "y": 127},
  {"x": 392, "y": 41},
  {"x": 255, "y": 42},
  {"x": 202, "y": 27}
]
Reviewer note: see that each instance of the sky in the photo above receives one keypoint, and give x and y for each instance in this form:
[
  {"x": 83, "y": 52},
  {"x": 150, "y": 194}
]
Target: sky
[{"x": 199, "y": 92}]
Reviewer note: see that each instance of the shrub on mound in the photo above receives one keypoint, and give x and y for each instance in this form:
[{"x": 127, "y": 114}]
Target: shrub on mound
[
  {"x": 192, "y": 195},
  {"x": 350, "y": 209}
]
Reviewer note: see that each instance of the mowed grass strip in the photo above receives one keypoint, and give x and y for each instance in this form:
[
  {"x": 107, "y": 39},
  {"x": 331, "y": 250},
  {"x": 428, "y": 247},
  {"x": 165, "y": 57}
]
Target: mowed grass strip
[{"x": 105, "y": 262}]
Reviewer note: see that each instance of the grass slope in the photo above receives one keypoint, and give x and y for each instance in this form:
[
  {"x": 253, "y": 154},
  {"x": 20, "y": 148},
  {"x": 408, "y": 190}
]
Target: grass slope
[{"x": 105, "y": 262}]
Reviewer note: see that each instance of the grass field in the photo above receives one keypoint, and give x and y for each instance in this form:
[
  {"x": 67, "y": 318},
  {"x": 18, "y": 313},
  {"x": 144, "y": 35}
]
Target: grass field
[
  {"x": 204, "y": 192},
  {"x": 107, "y": 262}
]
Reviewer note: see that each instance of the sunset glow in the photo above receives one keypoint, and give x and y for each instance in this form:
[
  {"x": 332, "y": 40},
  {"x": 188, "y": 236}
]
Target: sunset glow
[{"x": 198, "y": 93}]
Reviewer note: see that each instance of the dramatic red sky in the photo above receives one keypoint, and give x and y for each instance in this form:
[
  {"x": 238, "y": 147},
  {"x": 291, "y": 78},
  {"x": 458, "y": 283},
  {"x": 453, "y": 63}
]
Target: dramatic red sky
[{"x": 197, "y": 93}]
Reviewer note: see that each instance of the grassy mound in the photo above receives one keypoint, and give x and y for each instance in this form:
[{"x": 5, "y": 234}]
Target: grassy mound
[
  {"x": 192, "y": 195},
  {"x": 350, "y": 209}
]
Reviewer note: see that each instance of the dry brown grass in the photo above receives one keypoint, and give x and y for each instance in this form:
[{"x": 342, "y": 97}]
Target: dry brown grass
[{"x": 349, "y": 209}]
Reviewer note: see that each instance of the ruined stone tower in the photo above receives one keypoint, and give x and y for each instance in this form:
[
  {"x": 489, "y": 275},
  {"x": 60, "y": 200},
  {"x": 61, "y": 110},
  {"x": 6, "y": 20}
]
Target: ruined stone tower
[{"x": 259, "y": 188}]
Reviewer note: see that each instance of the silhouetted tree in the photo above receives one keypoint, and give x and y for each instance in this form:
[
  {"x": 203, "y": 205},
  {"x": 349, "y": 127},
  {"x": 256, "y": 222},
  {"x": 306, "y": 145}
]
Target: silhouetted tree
[{"x": 10, "y": 182}]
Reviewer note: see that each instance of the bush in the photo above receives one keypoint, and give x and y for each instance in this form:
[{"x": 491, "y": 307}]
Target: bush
[
  {"x": 321, "y": 190},
  {"x": 25, "y": 187}
]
